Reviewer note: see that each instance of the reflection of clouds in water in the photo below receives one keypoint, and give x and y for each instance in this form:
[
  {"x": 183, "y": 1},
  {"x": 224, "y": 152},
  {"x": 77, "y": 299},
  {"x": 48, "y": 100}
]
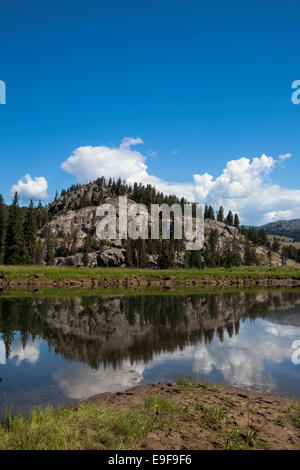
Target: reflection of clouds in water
[
  {"x": 278, "y": 330},
  {"x": 79, "y": 381},
  {"x": 30, "y": 353},
  {"x": 240, "y": 360},
  {"x": 236, "y": 364},
  {"x": 2, "y": 352}
]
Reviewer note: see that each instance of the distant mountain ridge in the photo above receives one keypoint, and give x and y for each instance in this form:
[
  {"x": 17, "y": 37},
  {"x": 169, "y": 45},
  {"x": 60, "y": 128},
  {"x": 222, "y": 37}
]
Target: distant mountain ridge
[
  {"x": 284, "y": 228},
  {"x": 293, "y": 225}
]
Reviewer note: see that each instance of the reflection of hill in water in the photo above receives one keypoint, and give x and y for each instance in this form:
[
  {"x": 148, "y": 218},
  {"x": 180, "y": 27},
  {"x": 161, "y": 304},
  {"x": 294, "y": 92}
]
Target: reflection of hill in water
[
  {"x": 290, "y": 316},
  {"x": 107, "y": 330}
]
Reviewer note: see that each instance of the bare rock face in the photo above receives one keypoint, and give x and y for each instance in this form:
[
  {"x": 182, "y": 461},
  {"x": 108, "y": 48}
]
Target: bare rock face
[
  {"x": 79, "y": 221},
  {"x": 153, "y": 261},
  {"x": 109, "y": 257},
  {"x": 83, "y": 221},
  {"x": 263, "y": 256},
  {"x": 75, "y": 260},
  {"x": 112, "y": 257},
  {"x": 227, "y": 233}
]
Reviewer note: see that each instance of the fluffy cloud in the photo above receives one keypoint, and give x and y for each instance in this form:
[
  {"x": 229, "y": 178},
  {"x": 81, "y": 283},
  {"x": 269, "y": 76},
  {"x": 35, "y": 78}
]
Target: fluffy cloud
[
  {"x": 284, "y": 156},
  {"x": 29, "y": 188},
  {"x": 244, "y": 185},
  {"x": 89, "y": 163}
]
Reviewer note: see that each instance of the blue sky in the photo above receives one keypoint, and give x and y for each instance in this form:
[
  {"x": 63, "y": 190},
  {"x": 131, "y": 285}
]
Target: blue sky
[{"x": 200, "y": 83}]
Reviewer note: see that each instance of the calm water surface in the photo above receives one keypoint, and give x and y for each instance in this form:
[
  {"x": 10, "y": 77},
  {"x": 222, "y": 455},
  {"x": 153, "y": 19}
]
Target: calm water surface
[{"x": 57, "y": 350}]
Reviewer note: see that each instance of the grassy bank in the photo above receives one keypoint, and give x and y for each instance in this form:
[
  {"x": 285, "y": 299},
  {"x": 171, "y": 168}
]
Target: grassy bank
[
  {"x": 186, "y": 415},
  {"x": 49, "y": 273}
]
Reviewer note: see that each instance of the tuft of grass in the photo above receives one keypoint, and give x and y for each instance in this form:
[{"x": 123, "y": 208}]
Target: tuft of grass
[
  {"x": 293, "y": 410},
  {"x": 88, "y": 427},
  {"x": 213, "y": 416},
  {"x": 187, "y": 382},
  {"x": 234, "y": 439},
  {"x": 155, "y": 403}
]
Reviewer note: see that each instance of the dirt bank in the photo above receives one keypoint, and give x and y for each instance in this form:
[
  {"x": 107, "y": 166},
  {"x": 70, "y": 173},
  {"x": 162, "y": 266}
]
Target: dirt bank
[{"x": 203, "y": 416}]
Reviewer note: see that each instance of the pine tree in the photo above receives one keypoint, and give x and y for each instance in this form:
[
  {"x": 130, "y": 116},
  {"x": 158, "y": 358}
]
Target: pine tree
[
  {"x": 142, "y": 255},
  {"x": 50, "y": 257},
  {"x": 211, "y": 213},
  {"x": 187, "y": 259},
  {"x": 211, "y": 254},
  {"x": 250, "y": 255},
  {"x": 74, "y": 242},
  {"x": 41, "y": 215},
  {"x": 14, "y": 244},
  {"x": 227, "y": 258},
  {"x": 195, "y": 259},
  {"x": 167, "y": 255},
  {"x": 129, "y": 253},
  {"x": 39, "y": 252},
  {"x": 229, "y": 218},
  {"x": 270, "y": 254},
  {"x": 30, "y": 229},
  {"x": 236, "y": 221},
  {"x": 86, "y": 250},
  {"x": 2, "y": 228},
  {"x": 276, "y": 246},
  {"x": 220, "y": 215},
  {"x": 283, "y": 256},
  {"x": 236, "y": 257}
]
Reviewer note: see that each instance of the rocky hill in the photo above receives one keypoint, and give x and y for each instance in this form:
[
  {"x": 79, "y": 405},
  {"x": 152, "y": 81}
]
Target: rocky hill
[{"x": 72, "y": 226}]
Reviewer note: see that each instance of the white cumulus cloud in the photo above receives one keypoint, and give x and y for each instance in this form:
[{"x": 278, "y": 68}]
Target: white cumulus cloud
[
  {"x": 31, "y": 188},
  {"x": 244, "y": 186},
  {"x": 89, "y": 163}
]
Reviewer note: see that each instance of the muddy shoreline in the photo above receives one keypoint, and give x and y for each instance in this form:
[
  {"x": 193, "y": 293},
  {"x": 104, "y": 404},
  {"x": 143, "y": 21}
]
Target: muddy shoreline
[
  {"x": 36, "y": 281},
  {"x": 177, "y": 388}
]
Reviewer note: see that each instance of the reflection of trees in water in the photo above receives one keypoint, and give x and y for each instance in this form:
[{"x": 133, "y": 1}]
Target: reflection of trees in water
[
  {"x": 107, "y": 330},
  {"x": 19, "y": 315},
  {"x": 156, "y": 310}
]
